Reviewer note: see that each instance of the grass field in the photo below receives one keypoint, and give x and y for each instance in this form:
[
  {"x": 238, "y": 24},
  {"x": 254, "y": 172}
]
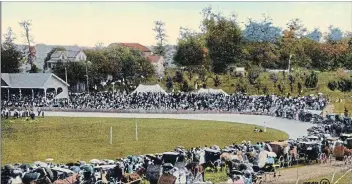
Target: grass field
[{"x": 70, "y": 139}]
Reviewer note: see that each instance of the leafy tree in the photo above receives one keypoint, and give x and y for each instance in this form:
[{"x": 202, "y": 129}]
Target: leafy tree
[
  {"x": 178, "y": 77},
  {"x": 311, "y": 80},
  {"x": 217, "y": 81},
  {"x": 185, "y": 87},
  {"x": 292, "y": 80},
  {"x": 274, "y": 78},
  {"x": 315, "y": 35},
  {"x": 335, "y": 34},
  {"x": 299, "y": 88},
  {"x": 345, "y": 85},
  {"x": 169, "y": 83},
  {"x": 10, "y": 57},
  {"x": 161, "y": 36},
  {"x": 332, "y": 85},
  {"x": 253, "y": 74},
  {"x": 76, "y": 71},
  {"x": 34, "y": 69},
  {"x": 190, "y": 52},
  {"x": 223, "y": 40},
  {"x": 261, "y": 31}
]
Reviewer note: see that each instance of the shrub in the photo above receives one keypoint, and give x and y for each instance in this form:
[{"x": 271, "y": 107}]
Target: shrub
[
  {"x": 332, "y": 85},
  {"x": 311, "y": 80},
  {"x": 178, "y": 77},
  {"x": 274, "y": 78},
  {"x": 169, "y": 83},
  {"x": 217, "y": 81},
  {"x": 345, "y": 85}
]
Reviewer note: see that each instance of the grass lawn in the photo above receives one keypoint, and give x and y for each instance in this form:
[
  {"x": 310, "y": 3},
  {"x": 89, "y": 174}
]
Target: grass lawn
[{"x": 70, "y": 139}]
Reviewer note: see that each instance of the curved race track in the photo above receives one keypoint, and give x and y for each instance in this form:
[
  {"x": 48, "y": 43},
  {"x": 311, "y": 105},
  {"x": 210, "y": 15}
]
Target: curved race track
[{"x": 294, "y": 128}]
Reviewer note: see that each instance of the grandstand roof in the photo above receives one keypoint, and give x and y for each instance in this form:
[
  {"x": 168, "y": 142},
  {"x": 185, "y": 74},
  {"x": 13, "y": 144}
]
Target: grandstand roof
[{"x": 31, "y": 80}]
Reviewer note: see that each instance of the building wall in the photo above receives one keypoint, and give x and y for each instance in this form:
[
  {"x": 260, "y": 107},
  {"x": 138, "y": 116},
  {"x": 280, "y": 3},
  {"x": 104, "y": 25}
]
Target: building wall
[
  {"x": 56, "y": 84},
  {"x": 159, "y": 67},
  {"x": 81, "y": 57},
  {"x": 146, "y": 54}
]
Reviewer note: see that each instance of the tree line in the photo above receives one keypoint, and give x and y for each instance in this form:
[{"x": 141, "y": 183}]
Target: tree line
[{"x": 221, "y": 43}]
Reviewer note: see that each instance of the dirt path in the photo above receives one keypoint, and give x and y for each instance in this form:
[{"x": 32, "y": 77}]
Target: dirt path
[{"x": 308, "y": 172}]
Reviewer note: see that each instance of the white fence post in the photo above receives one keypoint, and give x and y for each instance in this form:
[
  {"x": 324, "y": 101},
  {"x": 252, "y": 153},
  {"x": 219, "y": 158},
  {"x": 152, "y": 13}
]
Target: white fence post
[
  {"x": 110, "y": 135},
  {"x": 136, "y": 130}
]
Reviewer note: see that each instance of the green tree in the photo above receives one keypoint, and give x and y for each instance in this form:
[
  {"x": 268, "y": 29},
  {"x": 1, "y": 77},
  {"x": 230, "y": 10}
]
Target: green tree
[
  {"x": 223, "y": 40},
  {"x": 161, "y": 36},
  {"x": 169, "y": 83},
  {"x": 190, "y": 51},
  {"x": 311, "y": 80},
  {"x": 10, "y": 57}
]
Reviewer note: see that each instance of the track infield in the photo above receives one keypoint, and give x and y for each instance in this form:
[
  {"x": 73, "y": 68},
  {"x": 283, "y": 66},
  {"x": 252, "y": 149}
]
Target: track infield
[{"x": 67, "y": 139}]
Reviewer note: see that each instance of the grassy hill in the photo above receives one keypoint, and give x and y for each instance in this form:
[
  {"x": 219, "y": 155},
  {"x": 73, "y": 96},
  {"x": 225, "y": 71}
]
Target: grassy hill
[{"x": 229, "y": 85}]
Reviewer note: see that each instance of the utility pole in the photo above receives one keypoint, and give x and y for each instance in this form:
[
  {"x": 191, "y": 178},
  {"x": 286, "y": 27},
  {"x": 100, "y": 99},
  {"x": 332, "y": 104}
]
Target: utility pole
[
  {"x": 66, "y": 73},
  {"x": 87, "y": 76},
  {"x": 289, "y": 63}
]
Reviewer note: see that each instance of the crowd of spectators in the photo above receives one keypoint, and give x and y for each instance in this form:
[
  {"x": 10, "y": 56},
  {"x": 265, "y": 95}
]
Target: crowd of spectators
[{"x": 279, "y": 106}]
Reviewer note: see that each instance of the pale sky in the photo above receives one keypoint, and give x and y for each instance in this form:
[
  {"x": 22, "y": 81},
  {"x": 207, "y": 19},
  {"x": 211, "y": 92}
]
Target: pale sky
[{"x": 87, "y": 23}]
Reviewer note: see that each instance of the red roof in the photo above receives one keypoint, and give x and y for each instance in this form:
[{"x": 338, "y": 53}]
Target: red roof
[
  {"x": 136, "y": 46},
  {"x": 154, "y": 59}
]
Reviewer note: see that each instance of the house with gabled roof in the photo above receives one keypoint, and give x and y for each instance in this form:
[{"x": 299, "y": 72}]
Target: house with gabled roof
[
  {"x": 157, "y": 61},
  {"x": 159, "y": 64},
  {"x": 66, "y": 56},
  {"x": 146, "y": 52}
]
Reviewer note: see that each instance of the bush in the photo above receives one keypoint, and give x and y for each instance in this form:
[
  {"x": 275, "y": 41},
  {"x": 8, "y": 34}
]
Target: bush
[
  {"x": 332, "y": 85},
  {"x": 292, "y": 80},
  {"x": 169, "y": 83},
  {"x": 217, "y": 81},
  {"x": 253, "y": 74},
  {"x": 311, "y": 80},
  {"x": 178, "y": 77},
  {"x": 274, "y": 78},
  {"x": 345, "y": 85},
  {"x": 185, "y": 87}
]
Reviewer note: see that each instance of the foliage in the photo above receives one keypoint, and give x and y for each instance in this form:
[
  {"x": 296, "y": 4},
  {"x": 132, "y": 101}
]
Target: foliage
[
  {"x": 223, "y": 39},
  {"x": 190, "y": 51},
  {"x": 344, "y": 85},
  {"x": 161, "y": 36},
  {"x": 253, "y": 74},
  {"x": 274, "y": 78},
  {"x": 217, "y": 81},
  {"x": 178, "y": 77},
  {"x": 121, "y": 63},
  {"x": 292, "y": 80},
  {"x": 169, "y": 83},
  {"x": 76, "y": 71},
  {"x": 10, "y": 57},
  {"x": 185, "y": 87},
  {"x": 332, "y": 85},
  {"x": 261, "y": 31},
  {"x": 311, "y": 80},
  {"x": 34, "y": 69}
]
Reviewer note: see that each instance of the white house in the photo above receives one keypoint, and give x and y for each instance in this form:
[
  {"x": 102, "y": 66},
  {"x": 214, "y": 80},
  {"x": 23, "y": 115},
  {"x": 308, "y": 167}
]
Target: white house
[
  {"x": 159, "y": 64},
  {"x": 66, "y": 56}
]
